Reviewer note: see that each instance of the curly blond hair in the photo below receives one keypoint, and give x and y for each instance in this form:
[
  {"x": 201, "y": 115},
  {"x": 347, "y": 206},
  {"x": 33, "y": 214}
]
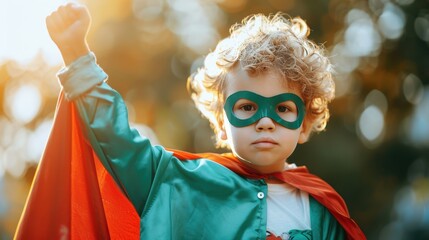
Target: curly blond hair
[{"x": 261, "y": 44}]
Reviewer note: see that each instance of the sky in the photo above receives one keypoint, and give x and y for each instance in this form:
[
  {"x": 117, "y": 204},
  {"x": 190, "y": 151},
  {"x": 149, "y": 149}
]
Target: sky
[{"x": 23, "y": 33}]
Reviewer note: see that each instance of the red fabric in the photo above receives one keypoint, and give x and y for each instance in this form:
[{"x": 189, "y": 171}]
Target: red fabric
[
  {"x": 72, "y": 197},
  {"x": 299, "y": 178},
  {"x": 272, "y": 236}
]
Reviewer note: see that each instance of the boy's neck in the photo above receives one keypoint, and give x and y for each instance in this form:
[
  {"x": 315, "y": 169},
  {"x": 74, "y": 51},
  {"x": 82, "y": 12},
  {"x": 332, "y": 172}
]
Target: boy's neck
[{"x": 265, "y": 169}]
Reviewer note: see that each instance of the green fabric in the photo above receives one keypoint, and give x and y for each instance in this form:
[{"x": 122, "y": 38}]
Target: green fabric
[
  {"x": 194, "y": 199},
  {"x": 300, "y": 235},
  {"x": 323, "y": 224}
]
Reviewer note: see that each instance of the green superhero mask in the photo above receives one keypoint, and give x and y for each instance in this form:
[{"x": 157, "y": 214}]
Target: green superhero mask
[{"x": 244, "y": 108}]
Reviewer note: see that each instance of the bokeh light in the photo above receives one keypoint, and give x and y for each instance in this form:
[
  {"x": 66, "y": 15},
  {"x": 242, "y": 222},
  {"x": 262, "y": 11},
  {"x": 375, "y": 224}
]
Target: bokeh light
[
  {"x": 421, "y": 25},
  {"x": 37, "y": 141},
  {"x": 378, "y": 99},
  {"x": 193, "y": 21},
  {"x": 14, "y": 158},
  {"x": 413, "y": 89},
  {"x": 411, "y": 204},
  {"x": 23, "y": 102},
  {"x": 371, "y": 124},
  {"x": 418, "y": 126},
  {"x": 361, "y": 38},
  {"x": 392, "y": 21}
]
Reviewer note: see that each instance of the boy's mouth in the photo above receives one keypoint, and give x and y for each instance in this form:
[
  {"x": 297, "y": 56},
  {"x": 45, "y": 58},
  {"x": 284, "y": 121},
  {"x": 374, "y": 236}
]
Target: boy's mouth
[{"x": 264, "y": 142}]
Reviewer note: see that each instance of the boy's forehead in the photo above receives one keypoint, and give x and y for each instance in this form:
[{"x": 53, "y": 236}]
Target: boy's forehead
[{"x": 268, "y": 83}]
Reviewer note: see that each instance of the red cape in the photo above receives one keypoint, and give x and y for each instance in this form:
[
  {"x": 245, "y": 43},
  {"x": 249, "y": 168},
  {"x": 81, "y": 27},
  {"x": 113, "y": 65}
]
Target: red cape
[{"x": 74, "y": 197}]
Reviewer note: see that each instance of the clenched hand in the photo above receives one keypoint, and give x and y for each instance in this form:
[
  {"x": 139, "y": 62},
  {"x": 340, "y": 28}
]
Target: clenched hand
[{"x": 68, "y": 27}]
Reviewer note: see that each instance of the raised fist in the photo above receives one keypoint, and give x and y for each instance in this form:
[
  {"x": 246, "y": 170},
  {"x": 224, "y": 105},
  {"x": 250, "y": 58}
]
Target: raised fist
[{"x": 68, "y": 27}]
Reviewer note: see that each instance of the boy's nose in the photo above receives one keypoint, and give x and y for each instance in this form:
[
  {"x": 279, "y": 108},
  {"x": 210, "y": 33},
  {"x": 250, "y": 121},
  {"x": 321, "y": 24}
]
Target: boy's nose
[{"x": 265, "y": 123}]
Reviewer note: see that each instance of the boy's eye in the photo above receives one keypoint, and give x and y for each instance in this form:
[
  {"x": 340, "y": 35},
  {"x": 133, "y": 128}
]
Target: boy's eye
[
  {"x": 245, "y": 109},
  {"x": 248, "y": 107},
  {"x": 282, "y": 108},
  {"x": 287, "y": 111}
]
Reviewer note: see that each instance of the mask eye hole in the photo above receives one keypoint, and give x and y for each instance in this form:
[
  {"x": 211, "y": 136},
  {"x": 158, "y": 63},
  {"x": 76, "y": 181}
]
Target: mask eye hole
[
  {"x": 244, "y": 109},
  {"x": 248, "y": 108},
  {"x": 287, "y": 111}
]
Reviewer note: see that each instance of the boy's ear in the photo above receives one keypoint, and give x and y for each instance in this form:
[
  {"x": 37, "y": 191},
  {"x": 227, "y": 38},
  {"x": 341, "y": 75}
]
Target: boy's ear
[
  {"x": 222, "y": 132},
  {"x": 223, "y": 135},
  {"x": 305, "y": 133}
]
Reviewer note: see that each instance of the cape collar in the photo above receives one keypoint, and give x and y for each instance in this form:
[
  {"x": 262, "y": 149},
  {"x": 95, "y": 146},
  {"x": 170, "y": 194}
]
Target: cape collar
[{"x": 231, "y": 162}]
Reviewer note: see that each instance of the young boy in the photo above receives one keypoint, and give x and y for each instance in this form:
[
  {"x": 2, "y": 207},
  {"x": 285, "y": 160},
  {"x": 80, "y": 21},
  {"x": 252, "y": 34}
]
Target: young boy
[{"x": 264, "y": 89}]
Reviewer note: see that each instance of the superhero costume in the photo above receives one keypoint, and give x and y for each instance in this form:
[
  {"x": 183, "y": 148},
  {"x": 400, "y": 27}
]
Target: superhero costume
[{"x": 175, "y": 194}]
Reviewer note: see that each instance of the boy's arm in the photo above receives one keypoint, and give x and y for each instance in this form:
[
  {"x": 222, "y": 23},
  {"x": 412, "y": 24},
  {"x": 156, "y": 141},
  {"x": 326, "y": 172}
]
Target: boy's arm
[{"x": 130, "y": 158}]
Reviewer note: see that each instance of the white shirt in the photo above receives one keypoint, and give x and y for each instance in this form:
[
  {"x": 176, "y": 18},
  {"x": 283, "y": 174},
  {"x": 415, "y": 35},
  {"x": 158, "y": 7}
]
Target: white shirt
[{"x": 288, "y": 208}]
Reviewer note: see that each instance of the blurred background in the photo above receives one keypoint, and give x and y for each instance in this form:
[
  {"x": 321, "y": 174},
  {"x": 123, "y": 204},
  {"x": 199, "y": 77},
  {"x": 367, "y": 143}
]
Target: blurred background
[{"x": 375, "y": 151}]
